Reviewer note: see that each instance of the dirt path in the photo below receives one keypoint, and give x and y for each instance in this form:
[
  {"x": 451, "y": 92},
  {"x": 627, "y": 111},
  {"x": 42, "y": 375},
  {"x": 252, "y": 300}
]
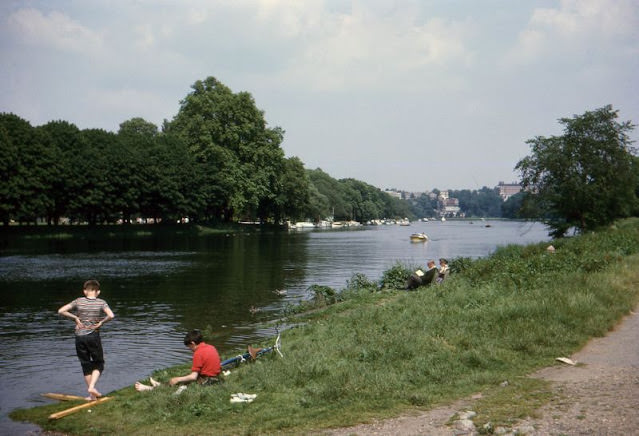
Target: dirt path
[{"x": 598, "y": 396}]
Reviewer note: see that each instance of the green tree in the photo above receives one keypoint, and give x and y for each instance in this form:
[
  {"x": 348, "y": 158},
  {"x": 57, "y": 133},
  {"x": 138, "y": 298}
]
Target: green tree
[
  {"x": 511, "y": 208},
  {"x": 28, "y": 162},
  {"x": 240, "y": 156},
  {"x": 64, "y": 141},
  {"x": 423, "y": 206},
  {"x": 138, "y": 127},
  {"x": 332, "y": 191},
  {"x": 292, "y": 200},
  {"x": 584, "y": 178},
  {"x": 94, "y": 197},
  {"x": 10, "y": 169}
]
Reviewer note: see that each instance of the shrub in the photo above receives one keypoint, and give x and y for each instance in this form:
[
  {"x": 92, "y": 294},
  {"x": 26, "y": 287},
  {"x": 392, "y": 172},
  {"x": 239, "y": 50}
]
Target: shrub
[
  {"x": 359, "y": 282},
  {"x": 395, "y": 277},
  {"x": 324, "y": 295}
]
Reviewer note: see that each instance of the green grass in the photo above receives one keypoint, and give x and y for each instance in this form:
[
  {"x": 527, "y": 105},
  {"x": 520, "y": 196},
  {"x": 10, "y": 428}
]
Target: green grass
[{"x": 374, "y": 352}]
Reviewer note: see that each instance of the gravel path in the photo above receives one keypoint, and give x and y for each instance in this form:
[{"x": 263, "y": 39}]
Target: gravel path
[{"x": 598, "y": 396}]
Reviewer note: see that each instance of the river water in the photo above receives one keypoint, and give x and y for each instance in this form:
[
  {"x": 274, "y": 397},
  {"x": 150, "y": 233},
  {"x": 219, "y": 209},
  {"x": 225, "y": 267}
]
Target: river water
[{"x": 159, "y": 288}]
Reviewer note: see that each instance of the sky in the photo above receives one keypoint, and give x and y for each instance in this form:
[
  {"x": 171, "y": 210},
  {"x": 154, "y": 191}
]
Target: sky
[{"x": 405, "y": 94}]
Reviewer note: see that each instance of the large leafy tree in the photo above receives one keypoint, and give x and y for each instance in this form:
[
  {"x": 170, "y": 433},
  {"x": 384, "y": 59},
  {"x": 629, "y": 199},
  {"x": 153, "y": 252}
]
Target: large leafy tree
[
  {"x": 584, "y": 178},
  {"x": 240, "y": 156},
  {"x": 95, "y": 197},
  {"x": 10, "y": 167},
  {"x": 28, "y": 163},
  {"x": 63, "y": 140}
]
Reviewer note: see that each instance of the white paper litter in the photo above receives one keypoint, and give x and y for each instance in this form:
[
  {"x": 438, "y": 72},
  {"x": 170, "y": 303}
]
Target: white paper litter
[
  {"x": 566, "y": 360},
  {"x": 242, "y": 398}
]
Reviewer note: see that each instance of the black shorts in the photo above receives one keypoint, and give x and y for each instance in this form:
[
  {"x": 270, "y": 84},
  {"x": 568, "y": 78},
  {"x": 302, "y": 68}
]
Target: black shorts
[{"x": 89, "y": 351}]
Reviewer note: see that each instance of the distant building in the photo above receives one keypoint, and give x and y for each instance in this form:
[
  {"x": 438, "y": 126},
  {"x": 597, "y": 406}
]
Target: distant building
[
  {"x": 394, "y": 193},
  {"x": 449, "y": 206},
  {"x": 507, "y": 190}
]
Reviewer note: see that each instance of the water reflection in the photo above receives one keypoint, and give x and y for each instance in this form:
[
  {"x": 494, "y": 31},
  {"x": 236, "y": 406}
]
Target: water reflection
[{"x": 81, "y": 265}]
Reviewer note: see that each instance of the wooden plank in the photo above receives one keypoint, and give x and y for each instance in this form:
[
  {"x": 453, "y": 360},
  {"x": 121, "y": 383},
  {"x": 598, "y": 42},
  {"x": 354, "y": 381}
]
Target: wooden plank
[
  {"x": 86, "y": 405},
  {"x": 63, "y": 397}
]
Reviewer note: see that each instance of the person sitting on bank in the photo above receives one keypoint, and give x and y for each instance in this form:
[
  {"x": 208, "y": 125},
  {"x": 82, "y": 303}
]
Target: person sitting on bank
[
  {"x": 206, "y": 364},
  {"x": 443, "y": 270},
  {"x": 421, "y": 278}
]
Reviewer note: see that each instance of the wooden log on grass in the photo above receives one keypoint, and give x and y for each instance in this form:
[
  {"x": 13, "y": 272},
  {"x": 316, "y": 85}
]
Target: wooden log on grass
[
  {"x": 72, "y": 410},
  {"x": 63, "y": 397}
]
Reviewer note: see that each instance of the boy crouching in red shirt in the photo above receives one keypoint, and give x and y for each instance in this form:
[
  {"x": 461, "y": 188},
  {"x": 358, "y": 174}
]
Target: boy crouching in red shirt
[{"x": 206, "y": 364}]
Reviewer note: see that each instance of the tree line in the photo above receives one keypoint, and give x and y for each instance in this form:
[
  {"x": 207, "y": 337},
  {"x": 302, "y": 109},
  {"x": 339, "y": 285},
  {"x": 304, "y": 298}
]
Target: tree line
[{"x": 217, "y": 160}]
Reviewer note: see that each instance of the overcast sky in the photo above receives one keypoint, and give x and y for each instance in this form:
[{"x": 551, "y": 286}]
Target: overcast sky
[{"x": 403, "y": 94}]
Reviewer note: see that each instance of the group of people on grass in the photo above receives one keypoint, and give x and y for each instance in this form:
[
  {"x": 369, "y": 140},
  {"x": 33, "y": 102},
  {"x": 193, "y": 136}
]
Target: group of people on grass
[
  {"x": 430, "y": 276},
  {"x": 90, "y": 313}
]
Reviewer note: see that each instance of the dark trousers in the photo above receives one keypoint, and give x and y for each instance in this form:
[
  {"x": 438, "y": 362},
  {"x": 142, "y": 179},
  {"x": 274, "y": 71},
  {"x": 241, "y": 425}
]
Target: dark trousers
[{"x": 89, "y": 351}]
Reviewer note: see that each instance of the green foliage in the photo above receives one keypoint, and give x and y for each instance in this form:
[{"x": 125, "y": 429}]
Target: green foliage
[
  {"x": 423, "y": 206},
  {"x": 585, "y": 178},
  {"x": 485, "y": 202},
  {"x": 460, "y": 264},
  {"x": 395, "y": 277},
  {"x": 350, "y": 199},
  {"x": 512, "y": 207},
  {"x": 240, "y": 156},
  {"x": 360, "y": 282},
  {"x": 324, "y": 295},
  {"x": 28, "y": 167}
]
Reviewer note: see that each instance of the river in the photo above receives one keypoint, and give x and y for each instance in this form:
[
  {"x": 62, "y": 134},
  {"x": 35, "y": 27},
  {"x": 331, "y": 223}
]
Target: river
[{"x": 159, "y": 288}]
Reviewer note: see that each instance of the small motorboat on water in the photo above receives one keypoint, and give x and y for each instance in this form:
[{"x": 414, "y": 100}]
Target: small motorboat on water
[{"x": 418, "y": 237}]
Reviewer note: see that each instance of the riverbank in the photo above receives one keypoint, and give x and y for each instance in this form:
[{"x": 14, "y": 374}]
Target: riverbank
[
  {"x": 596, "y": 396},
  {"x": 378, "y": 354}
]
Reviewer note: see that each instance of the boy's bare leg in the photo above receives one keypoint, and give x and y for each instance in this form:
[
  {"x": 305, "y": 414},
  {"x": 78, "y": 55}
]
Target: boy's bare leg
[
  {"x": 141, "y": 387},
  {"x": 87, "y": 380},
  {"x": 91, "y": 380},
  {"x": 154, "y": 383}
]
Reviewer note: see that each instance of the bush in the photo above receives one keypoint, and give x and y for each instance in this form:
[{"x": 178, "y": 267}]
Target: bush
[
  {"x": 395, "y": 277},
  {"x": 324, "y": 295},
  {"x": 360, "y": 282}
]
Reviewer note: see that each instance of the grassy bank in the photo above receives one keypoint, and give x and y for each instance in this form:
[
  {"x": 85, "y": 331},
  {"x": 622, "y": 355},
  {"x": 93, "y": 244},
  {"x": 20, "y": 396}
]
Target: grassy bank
[{"x": 378, "y": 353}]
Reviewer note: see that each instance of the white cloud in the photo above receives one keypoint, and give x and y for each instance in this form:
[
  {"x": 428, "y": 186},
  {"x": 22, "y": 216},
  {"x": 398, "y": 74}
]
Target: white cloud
[
  {"x": 362, "y": 49},
  {"x": 55, "y": 30},
  {"x": 581, "y": 28}
]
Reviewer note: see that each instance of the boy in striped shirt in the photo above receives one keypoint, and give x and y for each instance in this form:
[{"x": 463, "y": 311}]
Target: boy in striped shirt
[{"x": 90, "y": 314}]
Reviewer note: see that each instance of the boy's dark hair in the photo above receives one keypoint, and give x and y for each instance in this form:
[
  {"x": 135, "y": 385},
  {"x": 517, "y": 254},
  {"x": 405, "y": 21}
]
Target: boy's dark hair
[
  {"x": 193, "y": 336},
  {"x": 92, "y": 285}
]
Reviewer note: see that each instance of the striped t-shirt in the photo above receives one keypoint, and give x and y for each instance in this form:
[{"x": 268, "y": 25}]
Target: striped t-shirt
[{"x": 90, "y": 311}]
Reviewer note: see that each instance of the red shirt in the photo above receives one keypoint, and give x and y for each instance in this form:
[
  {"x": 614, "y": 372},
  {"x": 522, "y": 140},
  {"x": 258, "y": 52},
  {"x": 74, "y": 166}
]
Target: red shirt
[{"x": 206, "y": 360}]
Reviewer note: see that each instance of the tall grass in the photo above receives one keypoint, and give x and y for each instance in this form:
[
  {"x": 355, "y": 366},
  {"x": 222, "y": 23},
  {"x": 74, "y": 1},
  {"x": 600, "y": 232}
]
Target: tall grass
[{"x": 375, "y": 352}]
